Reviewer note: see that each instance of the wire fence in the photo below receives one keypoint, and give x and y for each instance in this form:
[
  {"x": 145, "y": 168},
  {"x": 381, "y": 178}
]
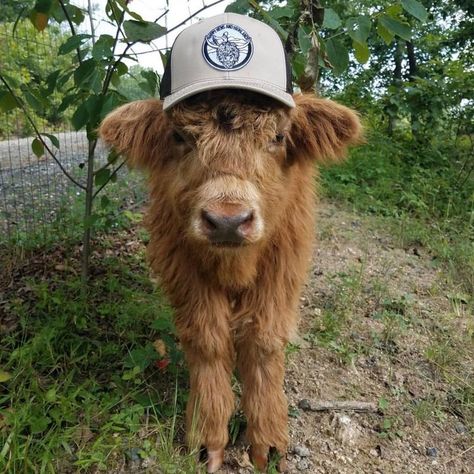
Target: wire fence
[{"x": 33, "y": 190}]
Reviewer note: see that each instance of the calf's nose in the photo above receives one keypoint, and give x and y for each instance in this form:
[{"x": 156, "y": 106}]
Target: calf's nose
[{"x": 226, "y": 228}]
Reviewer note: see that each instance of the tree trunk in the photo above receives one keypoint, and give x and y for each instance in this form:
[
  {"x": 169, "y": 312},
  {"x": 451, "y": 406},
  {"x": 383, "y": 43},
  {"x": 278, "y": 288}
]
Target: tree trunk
[
  {"x": 87, "y": 221},
  {"x": 412, "y": 72},
  {"x": 397, "y": 81},
  {"x": 412, "y": 66}
]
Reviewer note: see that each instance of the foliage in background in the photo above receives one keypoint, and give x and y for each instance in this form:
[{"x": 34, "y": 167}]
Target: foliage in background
[
  {"x": 81, "y": 380},
  {"x": 88, "y": 84},
  {"x": 403, "y": 63},
  {"x": 26, "y": 59}
]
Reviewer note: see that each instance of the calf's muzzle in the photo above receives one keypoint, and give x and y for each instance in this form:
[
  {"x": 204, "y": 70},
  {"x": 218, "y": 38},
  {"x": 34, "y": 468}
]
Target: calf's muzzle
[{"x": 224, "y": 228}]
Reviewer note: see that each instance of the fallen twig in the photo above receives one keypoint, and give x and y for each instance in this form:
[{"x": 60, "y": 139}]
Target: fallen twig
[
  {"x": 459, "y": 455},
  {"x": 337, "y": 405}
]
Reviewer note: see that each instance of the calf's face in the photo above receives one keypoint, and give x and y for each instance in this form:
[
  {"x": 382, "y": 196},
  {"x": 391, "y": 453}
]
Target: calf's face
[
  {"x": 224, "y": 159},
  {"x": 229, "y": 168}
]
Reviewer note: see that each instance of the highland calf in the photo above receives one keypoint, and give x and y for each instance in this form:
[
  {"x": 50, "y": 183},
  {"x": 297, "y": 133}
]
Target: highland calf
[{"x": 231, "y": 221}]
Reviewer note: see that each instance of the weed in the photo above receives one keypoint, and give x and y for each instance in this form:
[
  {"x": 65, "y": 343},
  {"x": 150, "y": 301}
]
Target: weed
[{"x": 80, "y": 367}]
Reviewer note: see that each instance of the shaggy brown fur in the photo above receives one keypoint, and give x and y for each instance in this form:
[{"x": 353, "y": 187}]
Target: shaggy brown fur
[{"x": 236, "y": 306}]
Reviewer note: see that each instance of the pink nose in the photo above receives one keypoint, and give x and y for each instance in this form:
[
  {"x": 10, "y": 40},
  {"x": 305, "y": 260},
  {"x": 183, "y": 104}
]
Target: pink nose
[{"x": 225, "y": 228}]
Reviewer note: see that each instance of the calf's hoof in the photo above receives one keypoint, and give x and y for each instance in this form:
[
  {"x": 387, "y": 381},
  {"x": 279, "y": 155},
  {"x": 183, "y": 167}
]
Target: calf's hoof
[
  {"x": 259, "y": 456},
  {"x": 215, "y": 458}
]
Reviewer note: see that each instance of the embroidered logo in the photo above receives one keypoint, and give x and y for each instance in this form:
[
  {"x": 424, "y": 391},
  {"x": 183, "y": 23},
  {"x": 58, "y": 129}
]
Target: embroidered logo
[{"x": 227, "y": 47}]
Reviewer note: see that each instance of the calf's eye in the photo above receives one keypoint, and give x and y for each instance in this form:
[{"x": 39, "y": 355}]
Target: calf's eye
[
  {"x": 279, "y": 138},
  {"x": 178, "y": 138}
]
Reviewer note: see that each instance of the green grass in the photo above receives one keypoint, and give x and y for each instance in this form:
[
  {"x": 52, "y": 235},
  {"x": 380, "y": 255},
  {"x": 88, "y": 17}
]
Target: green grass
[
  {"x": 423, "y": 194},
  {"x": 80, "y": 386}
]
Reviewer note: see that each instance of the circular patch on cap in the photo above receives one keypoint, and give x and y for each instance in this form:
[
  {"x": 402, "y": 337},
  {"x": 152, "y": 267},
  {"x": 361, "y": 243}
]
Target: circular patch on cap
[{"x": 227, "y": 47}]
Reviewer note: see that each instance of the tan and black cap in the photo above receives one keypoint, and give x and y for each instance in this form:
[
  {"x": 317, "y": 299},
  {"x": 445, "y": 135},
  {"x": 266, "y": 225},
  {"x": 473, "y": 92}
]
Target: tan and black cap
[{"x": 227, "y": 51}]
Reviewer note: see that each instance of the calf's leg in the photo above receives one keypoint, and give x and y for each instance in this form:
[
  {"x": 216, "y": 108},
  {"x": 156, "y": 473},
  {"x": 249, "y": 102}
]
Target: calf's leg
[
  {"x": 203, "y": 328},
  {"x": 210, "y": 404},
  {"x": 264, "y": 403}
]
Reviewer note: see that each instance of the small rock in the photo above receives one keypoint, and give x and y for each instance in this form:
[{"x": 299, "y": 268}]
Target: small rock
[
  {"x": 305, "y": 404},
  {"x": 134, "y": 455},
  {"x": 301, "y": 451},
  {"x": 431, "y": 452},
  {"x": 346, "y": 430},
  {"x": 460, "y": 428},
  {"x": 302, "y": 465},
  {"x": 376, "y": 452}
]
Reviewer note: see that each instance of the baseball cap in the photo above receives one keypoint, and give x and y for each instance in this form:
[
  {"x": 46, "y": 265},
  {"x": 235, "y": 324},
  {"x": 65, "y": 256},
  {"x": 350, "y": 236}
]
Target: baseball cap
[{"x": 227, "y": 51}]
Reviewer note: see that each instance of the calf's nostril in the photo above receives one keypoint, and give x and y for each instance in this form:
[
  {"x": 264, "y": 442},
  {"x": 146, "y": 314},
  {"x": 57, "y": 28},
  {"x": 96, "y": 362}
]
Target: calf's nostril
[
  {"x": 210, "y": 220},
  {"x": 246, "y": 217}
]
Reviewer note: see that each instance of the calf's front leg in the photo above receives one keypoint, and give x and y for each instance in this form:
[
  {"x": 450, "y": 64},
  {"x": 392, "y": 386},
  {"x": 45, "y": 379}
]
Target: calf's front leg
[
  {"x": 205, "y": 336},
  {"x": 261, "y": 369}
]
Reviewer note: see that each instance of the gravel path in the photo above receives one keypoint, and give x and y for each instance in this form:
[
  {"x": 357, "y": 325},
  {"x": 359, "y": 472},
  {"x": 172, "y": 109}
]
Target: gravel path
[{"x": 33, "y": 189}]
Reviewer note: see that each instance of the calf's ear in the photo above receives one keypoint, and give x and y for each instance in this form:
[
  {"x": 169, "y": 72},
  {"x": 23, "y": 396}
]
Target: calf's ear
[
  {"x": 322, "y": 130},
  {"x": 136, "y": 130}
]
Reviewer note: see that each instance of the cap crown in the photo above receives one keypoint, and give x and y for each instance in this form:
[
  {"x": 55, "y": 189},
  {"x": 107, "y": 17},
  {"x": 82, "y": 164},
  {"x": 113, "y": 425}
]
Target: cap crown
[{"x": 227, "y": 51}]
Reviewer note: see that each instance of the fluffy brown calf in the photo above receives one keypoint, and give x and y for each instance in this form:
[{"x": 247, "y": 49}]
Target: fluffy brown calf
[{"x": 231, "y": 220}]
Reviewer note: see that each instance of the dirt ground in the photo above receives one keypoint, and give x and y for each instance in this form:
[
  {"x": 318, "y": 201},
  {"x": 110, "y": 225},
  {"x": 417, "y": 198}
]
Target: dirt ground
[
  {"x": 380, "y": 323},
  {"x": 373, "y": 360}
]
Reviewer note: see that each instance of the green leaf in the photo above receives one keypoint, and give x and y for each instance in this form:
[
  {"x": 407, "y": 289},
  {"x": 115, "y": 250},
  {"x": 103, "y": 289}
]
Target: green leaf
[
  {"x": 7, "y": 101},
  {"x": 51, "y": 395},
  {"x": 5, "y": 376},
  {"x": 338, "y": 55},
  {"x": 67, "y": 101},
  {"x": 102, "y": 176},
  {"x": 163, "y": 323},
  {"x": 396, "y": 27},
  {"x": 239, "y": 6},
  {"x": 276, "y": 26},
  {"x": 89, "y": 221},
  {"x": 37, "y": 147},
  {"x": 281, "y": 12},
  {"x": 54, "y": 139},
  {"x": 121, "y": 68},
  {"x": 298, "y": 65},
  {"x": 63, "y": 79},
  {"x": 142, "y": 31},
  {"x": 75, "y": 14},
  {"x": 394, "y": 10},
  {"x": 88, "y": 76},
  {"x": 112, "y": 156},
  {"x": 72, "y": 43},
  {"x": 358, "y": 28},
  {"x": 103, "y": 47},
  {"x": 304, "y": 39},
  {"x": 105, "y": 202},
  {"x": 110, "y": 102},
  {"x": 52, "y": 80},
  {"x": 384, "y": 33},
  {"x": 80, "y": 117},
  {"x": 38, "y": 423},
  {"x": 151, "y": 82},
  {"x": 33, "y": 100},
  {"x": 361, "y": 52},
  {"x": 331, "y": 19},
  {"x": 43, "y": 6},
  {"x": 416, "y": 9}
]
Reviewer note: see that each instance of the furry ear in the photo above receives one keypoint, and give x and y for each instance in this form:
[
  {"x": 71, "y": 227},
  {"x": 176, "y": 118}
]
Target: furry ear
[
  {"x": 136, "y": 130},
  {"x": 322, "y": 129}
]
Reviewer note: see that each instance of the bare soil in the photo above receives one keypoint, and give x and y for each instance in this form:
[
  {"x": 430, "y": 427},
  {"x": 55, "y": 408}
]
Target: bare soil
[
  {"x": 380, "y": 323},
  {"x": 418, "y": 429}
]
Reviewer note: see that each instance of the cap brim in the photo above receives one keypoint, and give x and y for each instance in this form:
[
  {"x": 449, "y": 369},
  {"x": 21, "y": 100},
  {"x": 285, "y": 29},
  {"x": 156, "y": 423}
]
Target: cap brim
[{"x": 251, "y": 85}]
